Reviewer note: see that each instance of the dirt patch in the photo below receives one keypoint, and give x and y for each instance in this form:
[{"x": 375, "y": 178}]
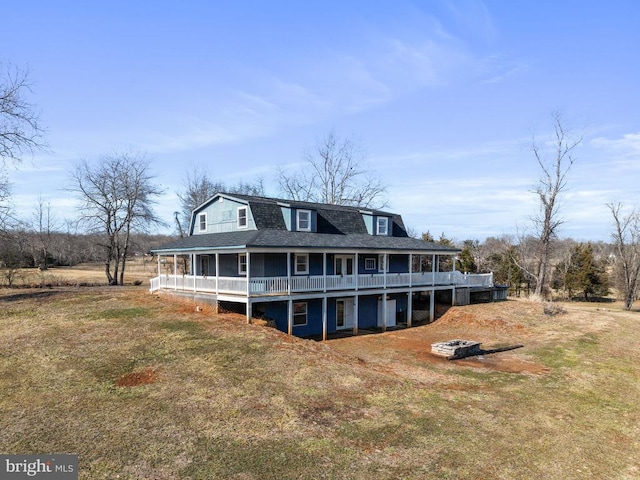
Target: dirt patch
[
  {"x": 407, "y": 352},
  {"x": 145, "y": 376}
]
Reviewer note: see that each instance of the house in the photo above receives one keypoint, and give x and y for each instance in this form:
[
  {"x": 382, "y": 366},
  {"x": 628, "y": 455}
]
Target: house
[{"x": 312, "y": 268}]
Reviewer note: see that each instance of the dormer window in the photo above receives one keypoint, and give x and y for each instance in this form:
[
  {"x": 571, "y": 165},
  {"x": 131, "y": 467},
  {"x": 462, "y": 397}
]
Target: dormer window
[
  {"x": 202, "y": 222},
  {"x": 382, "y": 226},
  {"x": 242, "y": 217},
  {"x": 303, "y": 220}
]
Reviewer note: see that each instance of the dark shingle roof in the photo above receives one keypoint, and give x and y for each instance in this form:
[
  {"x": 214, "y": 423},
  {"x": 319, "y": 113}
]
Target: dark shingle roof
[
  {"x": 285, "y": 239},
  {"x": 339, "y": 227}
]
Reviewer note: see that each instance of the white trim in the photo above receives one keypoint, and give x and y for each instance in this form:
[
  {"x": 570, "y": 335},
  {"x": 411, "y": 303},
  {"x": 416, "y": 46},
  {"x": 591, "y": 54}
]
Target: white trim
[
  {"x": 382, "y": 265},
  {"x": 306, "y": 313},
  {"x": 246, "y": 217},
  {"x": 241, "y": 263},
  {"x": 200, "y": 229},
  {"x": 298, "y": 227},
  {"x": 386, "y": 226},
  {"x": 306, "y": 263}
]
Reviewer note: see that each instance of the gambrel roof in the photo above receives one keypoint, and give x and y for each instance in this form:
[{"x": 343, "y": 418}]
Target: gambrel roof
[{"x": 338, "y": 228}]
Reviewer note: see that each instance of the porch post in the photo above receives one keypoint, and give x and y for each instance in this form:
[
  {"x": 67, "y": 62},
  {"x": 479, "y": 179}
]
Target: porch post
[
  {"x": 248, "y": 274},
  {"x": 290, "y": 317},
  {"x": 324, "y": 318},
  {"x": 249, "y": 310},
  {"x": 356, "y": 270},
  {"x": 433, "y": 269},
  {"x": 217, "y": 271},
  {"x": 175, "y": 271},
  {"x": 453, "y": 297},
  {"x": 432, "y": 305},
  {"x": 410, "y": 269},
  {"x": 159, "y": 269},
  {"x": 324, "y": 272},
  {"x": 409, "y": 308},
  {"x": 384, "y": 310},
  {"x": 355, "y": 315},
  {"x": 289, "y": 274},
  {"x": 193, "y": 270},
  {"x": 384, "y": 270}
]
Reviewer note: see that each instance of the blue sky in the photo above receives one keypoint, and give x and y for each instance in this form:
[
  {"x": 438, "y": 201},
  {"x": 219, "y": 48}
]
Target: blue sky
[{"x": 444, "y": 96}]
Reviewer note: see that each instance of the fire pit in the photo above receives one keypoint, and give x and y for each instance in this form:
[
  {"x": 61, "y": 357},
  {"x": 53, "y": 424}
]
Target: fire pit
[{"x": 455, "y": 348}]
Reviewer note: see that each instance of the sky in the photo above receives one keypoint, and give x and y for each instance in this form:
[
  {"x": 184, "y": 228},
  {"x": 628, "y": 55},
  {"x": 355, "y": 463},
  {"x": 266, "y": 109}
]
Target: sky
[{"x": 445, "y": 97}]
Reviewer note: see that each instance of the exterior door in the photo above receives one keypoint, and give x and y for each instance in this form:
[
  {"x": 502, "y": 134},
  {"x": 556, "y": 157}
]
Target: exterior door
[
  {"x": 204, "y": 265},
  {"x": 391, "y": 313},
  {"x": 344, "y": 313},
  {"x": 344, "y": 269}
]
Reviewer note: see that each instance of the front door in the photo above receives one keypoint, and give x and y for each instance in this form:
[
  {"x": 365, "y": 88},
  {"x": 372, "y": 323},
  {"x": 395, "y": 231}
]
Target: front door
[
  {"x": 344, "y": 313},
  {"x": 344, "y": 270},
  {"x": 204, "y": 265},
  {"x": 344, "y": 265}
]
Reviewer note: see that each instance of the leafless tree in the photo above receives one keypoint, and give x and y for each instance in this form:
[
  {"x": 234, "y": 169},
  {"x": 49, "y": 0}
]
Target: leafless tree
[
  {"x": 626, "y": 239},
  {"x": 551, "y": 185},
  {"x": 200, "y": 187},
  {"x": 334, "y": 172},
  {"x": 20, "y": 130},
  {"x": 117, "y": 195},
  {"x": 44, "y": 226}
]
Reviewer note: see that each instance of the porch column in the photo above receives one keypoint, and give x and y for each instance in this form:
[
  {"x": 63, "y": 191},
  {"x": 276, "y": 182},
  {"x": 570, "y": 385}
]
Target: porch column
[
  {"x": 432, "y": 305},
  {"x": 248, "y": 274},
  {"x": 409, "y": 308},
  {"x": 175, "y": 271},
  {"x": 384, "y": 271},
  {"x": 384, "y": 310},
  {"x": 290, "y": 317},
  {"x": 324, "y": 318},
  {"x": 356, "y": 270},
  {"x": 355, "y": 315},
  {"x": 159, "y": 269},
  {"x": 289, "y": 274},
  {"x": 249, "y": 311},
  {"x": 193, "y": 270},
  {"x": 453, "y": 297},
  {"x": 433, "y": 269},
  {"x": 217, "y": 272},
  {"x": 410, "y": 269},
  {"x": 324, "y": 272}
]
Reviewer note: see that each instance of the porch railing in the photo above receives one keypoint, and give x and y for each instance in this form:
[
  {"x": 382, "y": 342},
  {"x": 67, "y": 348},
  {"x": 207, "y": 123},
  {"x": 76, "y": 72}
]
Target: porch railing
[{"x": 317, "y": 283}]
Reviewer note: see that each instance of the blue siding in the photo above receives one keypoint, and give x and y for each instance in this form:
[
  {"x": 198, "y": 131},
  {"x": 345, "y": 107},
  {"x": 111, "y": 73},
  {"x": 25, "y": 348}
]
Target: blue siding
[
  {"x": 228, "y": 265},
  {"x": 361, "y": 262},
  {"x": 367, "y": 311},
  {"x": 222, "y": 216},
  {"x": 398, "y": 263},
  {"x": 275, "y": 264}
]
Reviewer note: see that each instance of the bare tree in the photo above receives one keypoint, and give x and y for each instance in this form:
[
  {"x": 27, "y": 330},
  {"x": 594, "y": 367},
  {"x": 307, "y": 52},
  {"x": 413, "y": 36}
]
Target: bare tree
[
  {"x": 20, "y": 130},
  {"x": 626, "y": 239},
  {"x": 117, "y": 195},
  {"x": 200, "y": 187},
  {"x": 334, "y": 173},
  {"x": 44, "y": 225},
  {"x": 551, "y": 185}
]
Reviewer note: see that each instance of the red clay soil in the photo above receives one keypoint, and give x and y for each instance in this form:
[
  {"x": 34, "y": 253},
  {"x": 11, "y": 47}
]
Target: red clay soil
[
  {"x": 405, "y": 351},
  {"x": 141, "y": 377}
]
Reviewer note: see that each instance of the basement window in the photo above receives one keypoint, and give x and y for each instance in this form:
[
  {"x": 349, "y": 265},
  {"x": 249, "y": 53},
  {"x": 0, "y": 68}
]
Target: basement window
[{"x": 299, "y": 314}]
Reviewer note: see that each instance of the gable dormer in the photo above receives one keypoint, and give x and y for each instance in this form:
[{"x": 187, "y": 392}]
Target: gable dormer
[{"x": 222, "y": 213}]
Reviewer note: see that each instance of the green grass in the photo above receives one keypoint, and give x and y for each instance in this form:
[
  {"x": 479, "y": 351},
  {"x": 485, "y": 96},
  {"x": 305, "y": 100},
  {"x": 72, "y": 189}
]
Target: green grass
[{"x": 233, "y": 400}]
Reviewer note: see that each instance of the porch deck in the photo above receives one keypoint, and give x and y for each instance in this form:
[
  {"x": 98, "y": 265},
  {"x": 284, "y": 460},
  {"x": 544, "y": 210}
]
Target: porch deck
[{"x": 266, "y": 286}]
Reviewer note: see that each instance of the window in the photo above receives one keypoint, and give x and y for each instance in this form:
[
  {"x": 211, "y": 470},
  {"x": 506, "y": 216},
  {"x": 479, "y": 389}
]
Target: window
[
  {"x": 202, "y": 222},
  {"x": 242, "y": 264},
  {"x": 303, "y": 222},
  {"x": 382, "y": 265},
  {"x": 383, "y": 226},
  {"x": 369, "y": 263},
  {"x": 242, "y": 217},
  {"x": 299, "y": 313},
  {"x": 302, "y": 264}
]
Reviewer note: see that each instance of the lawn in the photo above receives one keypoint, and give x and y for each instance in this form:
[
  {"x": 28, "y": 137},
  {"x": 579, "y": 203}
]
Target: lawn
[{"x": 141, "y": 386}]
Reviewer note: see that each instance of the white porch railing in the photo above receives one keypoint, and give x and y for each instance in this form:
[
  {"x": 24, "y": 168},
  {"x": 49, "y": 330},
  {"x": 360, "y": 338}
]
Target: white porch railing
[{"x": 317, "y": 283}]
